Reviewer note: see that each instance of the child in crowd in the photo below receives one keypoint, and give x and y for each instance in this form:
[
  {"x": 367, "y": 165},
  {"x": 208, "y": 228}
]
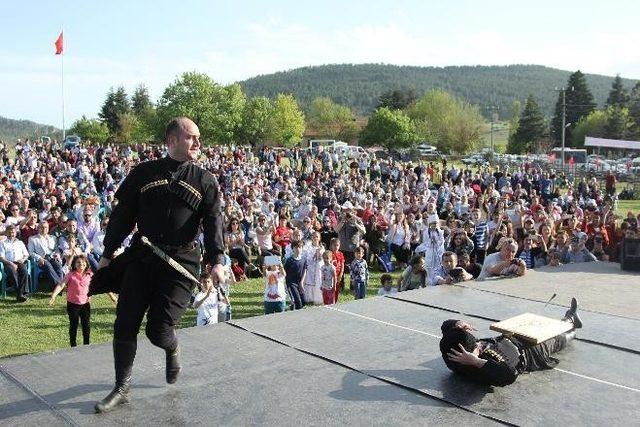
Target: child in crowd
[
  {"x": 359, "y": 273},
  {"x": 211, "y": 302},
  {"x": 274, "y": 289},
  {"x": 328, "y": 281},
  {"x": 387, "y": 286},
  {"x": 295, "y": 269},
  {"x": 78, "y": 300},
  {"x": 70, "y": 253},
  {"x": 313, "y": 258},
  {"x": 338, "y": 263}
]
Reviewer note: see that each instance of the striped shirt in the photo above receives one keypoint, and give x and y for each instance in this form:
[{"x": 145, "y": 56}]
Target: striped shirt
[{"x": 481, "y": 234}]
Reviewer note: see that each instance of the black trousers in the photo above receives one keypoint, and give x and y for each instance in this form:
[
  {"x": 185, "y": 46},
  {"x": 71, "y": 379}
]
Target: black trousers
[
  {"x": 82, "y": 313},
  {"x": 18, "y": 279},
  {"x": 538, "y": 357},
  {"x": 154, "y": 287}
]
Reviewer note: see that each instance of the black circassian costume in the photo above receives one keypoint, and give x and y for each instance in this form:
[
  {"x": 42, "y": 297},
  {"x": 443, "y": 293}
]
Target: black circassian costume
[
  {"x": 506, "y": 357},
  {"x": 167, "y": 200}
]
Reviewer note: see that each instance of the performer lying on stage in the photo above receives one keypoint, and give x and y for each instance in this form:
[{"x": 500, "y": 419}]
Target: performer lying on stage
[{"x": 498, "y": 361}]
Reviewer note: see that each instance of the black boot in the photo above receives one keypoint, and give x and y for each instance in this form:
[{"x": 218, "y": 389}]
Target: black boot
[
  {"x": 572, "y": 314},
  {"x": 124, "y": 352},
  {"x": 173, "y": 365}
]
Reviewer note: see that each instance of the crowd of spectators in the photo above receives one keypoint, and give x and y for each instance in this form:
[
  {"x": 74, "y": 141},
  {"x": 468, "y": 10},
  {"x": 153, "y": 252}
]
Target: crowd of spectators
[{"x": 436, "y": 223}]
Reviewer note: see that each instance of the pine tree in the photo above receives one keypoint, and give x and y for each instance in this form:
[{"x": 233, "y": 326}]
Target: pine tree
[
  {"x": 397, "y": 99},
  {"x": 140, "y": 99},
  {"x": 618, "y": 96},
  {"x": 530, "y": 130},
  {"x": 579, "y": 103},
  {"x": 618, "y": 123},
  {"x": 634, "y": 110},
  {"x": 116, "y": 104}
]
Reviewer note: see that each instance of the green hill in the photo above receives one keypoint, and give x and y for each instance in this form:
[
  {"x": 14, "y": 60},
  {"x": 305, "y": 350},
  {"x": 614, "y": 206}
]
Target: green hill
[
  {"x": 11, "y": 130},
  {"x": 360, "y": 86}
]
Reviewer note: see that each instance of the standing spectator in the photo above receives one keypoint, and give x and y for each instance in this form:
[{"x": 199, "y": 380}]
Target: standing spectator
[
  {"x": 295, "y": 269},
  {"x": 359, "y": 273},
  {"x": 338, "y": 262},
  {"x": 350, "y": 232},
  {"x": 328, "y": 280},
  {"x": 78, "y": 301},
  {"x": 313, "y": 259},
  {"x": 274, "y": 290},
  {"x": 14, "y": 256},
  {"x": 209, "y": 302},
  {"x": 432, "y": 245}
]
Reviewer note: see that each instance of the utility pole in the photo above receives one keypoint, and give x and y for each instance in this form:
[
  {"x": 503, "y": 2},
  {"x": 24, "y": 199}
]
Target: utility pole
[
  {"x": 564, "y": 119},
  {"x": 563, "y": 92},
  {"x": 493, "y": 111}
]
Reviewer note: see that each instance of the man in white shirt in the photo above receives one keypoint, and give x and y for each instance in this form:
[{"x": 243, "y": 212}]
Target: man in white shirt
[
  {"x": 42, "y": 248},
  {"x": 14, "y": 256}
]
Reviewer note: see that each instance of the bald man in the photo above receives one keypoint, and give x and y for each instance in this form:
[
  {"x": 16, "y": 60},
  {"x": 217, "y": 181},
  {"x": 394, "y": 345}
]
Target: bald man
[{"x": 167, "y": 199}]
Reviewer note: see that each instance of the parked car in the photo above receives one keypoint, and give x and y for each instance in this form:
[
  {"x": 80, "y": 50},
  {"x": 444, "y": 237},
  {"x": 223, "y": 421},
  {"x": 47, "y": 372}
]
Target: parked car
[{"x": 71, "y": 142}]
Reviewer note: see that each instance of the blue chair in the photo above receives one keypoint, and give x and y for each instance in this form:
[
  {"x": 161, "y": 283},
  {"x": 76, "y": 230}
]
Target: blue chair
[
  {"x": 35, "y": 273},
  {"x": 3, "y": 281}
]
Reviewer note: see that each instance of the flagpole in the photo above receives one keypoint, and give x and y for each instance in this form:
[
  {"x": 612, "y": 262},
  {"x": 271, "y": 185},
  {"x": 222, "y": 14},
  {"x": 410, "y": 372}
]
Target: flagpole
[{"x": 64, "y": 130}]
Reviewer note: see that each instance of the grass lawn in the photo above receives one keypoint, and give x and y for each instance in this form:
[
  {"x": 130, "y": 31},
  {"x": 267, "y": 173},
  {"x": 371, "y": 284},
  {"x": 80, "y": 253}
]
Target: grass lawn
[
  {"x": 625, "y": 206},
  {"x": 34, "y": 326}
]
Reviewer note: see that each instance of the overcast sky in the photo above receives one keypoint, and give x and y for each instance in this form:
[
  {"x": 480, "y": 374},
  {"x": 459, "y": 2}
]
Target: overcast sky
[{"x": 130, "y": 42}]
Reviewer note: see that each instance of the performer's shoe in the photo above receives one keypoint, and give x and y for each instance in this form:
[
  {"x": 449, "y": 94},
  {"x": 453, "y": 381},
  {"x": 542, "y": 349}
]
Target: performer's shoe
[
  {"x": 173, "y": 365},
  {"x": 118, "y": 396},
  {"x": 124, "y": 352},
  {"x": 572, "y": 314}
]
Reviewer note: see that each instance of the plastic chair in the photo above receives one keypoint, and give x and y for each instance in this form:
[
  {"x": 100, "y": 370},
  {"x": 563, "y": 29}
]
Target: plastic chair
[
  {"x": 3, "y": 281},
  {"x": 35, "y": 273}
]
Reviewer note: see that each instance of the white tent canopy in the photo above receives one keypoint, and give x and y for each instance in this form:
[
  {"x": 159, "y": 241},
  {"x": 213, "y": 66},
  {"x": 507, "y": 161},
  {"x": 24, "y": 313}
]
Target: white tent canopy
[{"x": 611, "y": 143}]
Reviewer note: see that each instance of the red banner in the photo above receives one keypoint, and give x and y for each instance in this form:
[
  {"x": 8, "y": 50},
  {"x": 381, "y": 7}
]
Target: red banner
[{"x": 59, "y": 45}]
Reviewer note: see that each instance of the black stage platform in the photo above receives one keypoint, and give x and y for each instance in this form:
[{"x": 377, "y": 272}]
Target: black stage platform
[{"x": 371, "y": 362}]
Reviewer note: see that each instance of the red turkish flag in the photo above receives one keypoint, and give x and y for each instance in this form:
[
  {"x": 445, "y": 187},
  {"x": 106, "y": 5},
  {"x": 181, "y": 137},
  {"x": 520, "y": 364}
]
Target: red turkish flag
[{"x": 59, "y": 44}]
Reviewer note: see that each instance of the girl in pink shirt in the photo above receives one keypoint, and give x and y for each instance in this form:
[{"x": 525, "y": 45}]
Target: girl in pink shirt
[{"x": 78, "y": 305}]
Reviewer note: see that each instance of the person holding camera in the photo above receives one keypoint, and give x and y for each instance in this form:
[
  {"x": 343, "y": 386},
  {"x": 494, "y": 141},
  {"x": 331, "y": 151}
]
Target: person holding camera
[
  {"x": 503, "y": 263},
  {"x": 449, "y": 272},
  {"x": 351, "y": 231}
]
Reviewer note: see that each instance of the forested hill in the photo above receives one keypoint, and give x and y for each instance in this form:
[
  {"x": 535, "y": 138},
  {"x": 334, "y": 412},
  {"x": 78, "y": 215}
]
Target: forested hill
[
  {"x": 360, "y": 86},
  {"x": 10, "y": 130}
]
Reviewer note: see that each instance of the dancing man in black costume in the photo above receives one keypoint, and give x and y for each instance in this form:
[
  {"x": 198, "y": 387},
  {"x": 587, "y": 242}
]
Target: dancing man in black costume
[{"x": 168, "y": 199}]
